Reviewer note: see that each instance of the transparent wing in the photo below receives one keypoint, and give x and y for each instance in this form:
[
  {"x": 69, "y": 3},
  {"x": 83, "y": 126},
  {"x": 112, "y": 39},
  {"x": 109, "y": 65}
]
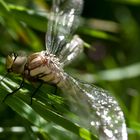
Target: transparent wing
[
  {"x": 63, "y": 22},
  {"x": 71, "y": 51},
  {"x": 97, "y": 109}
]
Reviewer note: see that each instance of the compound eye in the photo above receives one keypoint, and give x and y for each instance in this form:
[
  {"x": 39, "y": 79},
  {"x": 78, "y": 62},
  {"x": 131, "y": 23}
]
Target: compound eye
[{"x": 9, "y": 61}]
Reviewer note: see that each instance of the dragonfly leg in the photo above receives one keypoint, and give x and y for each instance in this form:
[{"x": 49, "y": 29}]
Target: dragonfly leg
[
  {"x": 13, "y": 92},
  {"x": 55, "y": 89},
  {"x": 33, "y": 94}
]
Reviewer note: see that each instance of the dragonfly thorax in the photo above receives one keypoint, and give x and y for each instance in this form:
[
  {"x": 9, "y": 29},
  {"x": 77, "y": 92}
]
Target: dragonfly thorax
[{"x": 44, "y": 67}]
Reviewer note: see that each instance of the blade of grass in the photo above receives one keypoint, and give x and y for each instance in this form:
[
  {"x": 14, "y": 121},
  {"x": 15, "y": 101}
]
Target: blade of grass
[{"x": 37, "y": 111}]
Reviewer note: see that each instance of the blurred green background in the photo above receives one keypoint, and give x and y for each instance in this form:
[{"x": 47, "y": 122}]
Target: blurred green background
[{"x": 111, "y": 27}]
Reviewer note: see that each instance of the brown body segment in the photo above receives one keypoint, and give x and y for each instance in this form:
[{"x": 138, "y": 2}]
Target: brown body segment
[{"x": 41, "y": 66}]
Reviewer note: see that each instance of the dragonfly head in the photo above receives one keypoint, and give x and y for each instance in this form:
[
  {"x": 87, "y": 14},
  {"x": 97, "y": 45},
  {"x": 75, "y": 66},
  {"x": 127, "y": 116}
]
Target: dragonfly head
[{"x": 15, "y": 63}]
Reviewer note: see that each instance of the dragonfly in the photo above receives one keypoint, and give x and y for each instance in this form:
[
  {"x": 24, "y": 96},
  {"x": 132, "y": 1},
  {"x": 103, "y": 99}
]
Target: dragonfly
[{"x": 98, "y": 111}]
